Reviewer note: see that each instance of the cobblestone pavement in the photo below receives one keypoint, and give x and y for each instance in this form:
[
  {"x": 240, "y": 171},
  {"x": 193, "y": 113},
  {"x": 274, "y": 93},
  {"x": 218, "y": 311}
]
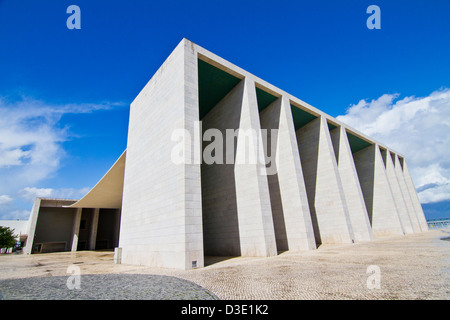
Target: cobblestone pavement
[
  {"x": 414, "y": 266},
  {"x": 103, "y": 287}
]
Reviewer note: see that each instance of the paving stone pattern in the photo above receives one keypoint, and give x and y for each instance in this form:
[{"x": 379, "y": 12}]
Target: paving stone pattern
[
  {"x": 104, "y": 287},
  {"x": 415, "y": 266}
]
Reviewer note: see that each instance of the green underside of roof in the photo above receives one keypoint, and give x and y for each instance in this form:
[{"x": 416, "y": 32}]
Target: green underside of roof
[
  {"x": 331, "y": 126},
  {"x": 213, "y": 85},
  {"x": 301, "y": 117},
  {"x": 356, "y": 144},
  {"x": 264, "y": 99}
]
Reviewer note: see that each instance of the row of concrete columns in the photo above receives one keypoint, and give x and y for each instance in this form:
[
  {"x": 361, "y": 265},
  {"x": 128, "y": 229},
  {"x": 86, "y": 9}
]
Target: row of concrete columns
[
  {"x": 321, "y": 191},
  {"x": 92, "y": 231},
  {"x": 173, "y": 214}
]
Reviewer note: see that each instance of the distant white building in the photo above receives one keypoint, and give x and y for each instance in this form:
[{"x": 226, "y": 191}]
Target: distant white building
[{"x": 20, "y": 228}]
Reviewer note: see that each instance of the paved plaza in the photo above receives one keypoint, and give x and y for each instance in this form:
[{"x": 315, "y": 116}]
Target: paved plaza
[{"x": 415, "y": 266}]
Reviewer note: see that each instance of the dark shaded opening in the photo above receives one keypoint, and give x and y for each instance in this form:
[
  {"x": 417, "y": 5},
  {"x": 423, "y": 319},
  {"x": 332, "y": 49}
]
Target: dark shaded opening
[{"x": 217, "y": 89}]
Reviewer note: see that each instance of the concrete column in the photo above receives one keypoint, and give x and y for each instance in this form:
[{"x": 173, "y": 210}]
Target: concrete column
[
  {"x": 407, "y": 197},
  {"x": 324, "y": 188},
  {"x": 32, "y": 226},
  {"x": 291, "y": 215},
  {"x": 193, "y": 227},
  {"x": 359, "y": 217},
  {"x": 93, "y": 231},
  {"x": 397, "y": 193},
  {"x": 377, "y": 193},
  {"x": 415, "y": 198},
  {"x": 256, "y": 230},
  {"x": 76, "y": 228}
]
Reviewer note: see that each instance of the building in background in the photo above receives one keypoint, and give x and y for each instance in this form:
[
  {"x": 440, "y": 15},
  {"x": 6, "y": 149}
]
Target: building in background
[{"x": 20, "y": 229}]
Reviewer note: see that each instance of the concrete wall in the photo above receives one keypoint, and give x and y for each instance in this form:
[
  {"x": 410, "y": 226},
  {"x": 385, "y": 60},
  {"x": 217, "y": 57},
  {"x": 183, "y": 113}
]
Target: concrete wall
[
  {"x": 365, "y": 167},
  {"x": 414, "y": 197},
  {"x": 220, "y": 216},
  {"x": 54, "y": 225},
  {"x": 358, "y": 215},
  {"x": 326, "y": 197},
  {"x": 377, "y": 192},
  {"x": 50, "y": 222},
  {"x": 256, "y": 229},
  {"x": 416, "y": 225},
  {"x": 290, "y": 210},
  {"x": 237, "y": 216},
  {"x": 161, "y": 209},
  {"x": 397, "y": 193},
  {"x": 269, "y": 120}
]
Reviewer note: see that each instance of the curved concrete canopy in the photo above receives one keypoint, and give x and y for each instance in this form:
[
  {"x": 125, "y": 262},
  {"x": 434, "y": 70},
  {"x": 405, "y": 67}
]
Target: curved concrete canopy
[{"x": 107, "y": 193}]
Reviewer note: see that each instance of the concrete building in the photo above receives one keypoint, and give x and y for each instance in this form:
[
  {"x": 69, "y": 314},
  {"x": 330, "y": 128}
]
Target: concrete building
[{"x": 164, "y": 204}]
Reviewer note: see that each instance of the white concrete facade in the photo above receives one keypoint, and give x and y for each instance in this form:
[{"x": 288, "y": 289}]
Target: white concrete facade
[
  {"x": 414, "y": 198},
  {"x": 161, "y": 221},
  {"x": 397, "y": 193},
  {"x": 323, "y": 183},
  {"x": 290, "y": 210},
  {"x": 321, "y": 192},
  {"x": 331, "y": 183},
  {"x": 357, "y": 211}
]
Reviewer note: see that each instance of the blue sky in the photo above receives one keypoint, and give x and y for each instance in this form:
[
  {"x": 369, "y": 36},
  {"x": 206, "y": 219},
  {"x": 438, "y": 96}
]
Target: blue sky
[{"x": 64, "y": 94}]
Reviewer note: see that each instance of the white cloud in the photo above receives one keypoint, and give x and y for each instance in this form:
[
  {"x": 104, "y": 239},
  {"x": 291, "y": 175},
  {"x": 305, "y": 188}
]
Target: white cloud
[
  {"x": 5, "y": 200},
  {"x": 419, "y": 128},
  {"x": 31, "y": 138},
  {"x": 31, "y": 149},
  {"x": 30, "y": 193}
]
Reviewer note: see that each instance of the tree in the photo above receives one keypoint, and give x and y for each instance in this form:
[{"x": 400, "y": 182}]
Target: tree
[{"x": 7, "y": 237}]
